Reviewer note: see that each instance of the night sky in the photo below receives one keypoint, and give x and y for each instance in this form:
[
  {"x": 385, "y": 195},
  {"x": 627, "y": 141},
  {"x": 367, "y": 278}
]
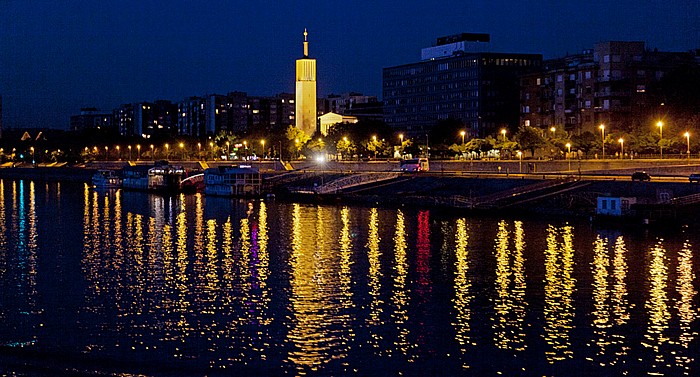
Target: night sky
[{"x": 59, "y": 56}]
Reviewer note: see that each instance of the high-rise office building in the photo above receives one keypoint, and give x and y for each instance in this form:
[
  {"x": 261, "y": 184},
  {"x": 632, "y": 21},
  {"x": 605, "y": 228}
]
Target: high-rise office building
[
  {"x": 306, "y": 91},
  {"x": 91, "y": 118},
  {"x": 457, "y": 79}
]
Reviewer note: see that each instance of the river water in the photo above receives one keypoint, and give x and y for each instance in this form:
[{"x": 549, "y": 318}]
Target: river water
[{"x": 126, "y": 283}]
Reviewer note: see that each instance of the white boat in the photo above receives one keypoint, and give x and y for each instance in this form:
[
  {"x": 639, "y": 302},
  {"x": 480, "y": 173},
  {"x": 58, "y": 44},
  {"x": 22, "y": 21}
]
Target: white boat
[
  {"x": 233, "y": 180},
  {"x": 106, "y": 179}
]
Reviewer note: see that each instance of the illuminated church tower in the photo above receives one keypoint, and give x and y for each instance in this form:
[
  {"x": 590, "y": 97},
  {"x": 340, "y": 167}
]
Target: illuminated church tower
[{"x": 306, "y": 92}]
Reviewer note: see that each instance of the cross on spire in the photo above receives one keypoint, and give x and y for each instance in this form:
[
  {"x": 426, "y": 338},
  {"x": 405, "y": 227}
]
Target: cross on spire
[{"x": 306, "y": 43}]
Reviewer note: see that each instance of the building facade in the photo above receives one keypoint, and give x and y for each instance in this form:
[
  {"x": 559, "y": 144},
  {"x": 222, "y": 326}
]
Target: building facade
[
  {"x": 480, "y": 89},
  {"x": 91, "y": 118},
  {"x": 346, "y": 102},
  {"x": 305, "y": 109},
  {"x": 610, "y": 84}
]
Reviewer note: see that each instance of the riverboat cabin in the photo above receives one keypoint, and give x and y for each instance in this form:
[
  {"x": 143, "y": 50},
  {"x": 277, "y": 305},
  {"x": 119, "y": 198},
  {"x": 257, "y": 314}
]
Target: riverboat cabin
[
  {"x": 135, "y": 177},
  {"x": 166, "y": 177},
  {"x": 614, "y": 206},
  {"x": 235, "y": 180}
]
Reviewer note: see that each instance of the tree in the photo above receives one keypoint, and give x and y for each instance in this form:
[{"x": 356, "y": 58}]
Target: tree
[
  {"x": 297, "y": 139},
  {"x": 345, "y": 147},
  {"x": 585, "y": 142},
  {"x": 530, "y": 138}
]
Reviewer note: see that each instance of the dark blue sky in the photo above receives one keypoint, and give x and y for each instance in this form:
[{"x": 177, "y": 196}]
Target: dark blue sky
[{"x": 58, "y": 56}]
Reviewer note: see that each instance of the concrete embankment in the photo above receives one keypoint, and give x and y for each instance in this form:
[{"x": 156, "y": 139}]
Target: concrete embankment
[{"x": 524, "y": 194}]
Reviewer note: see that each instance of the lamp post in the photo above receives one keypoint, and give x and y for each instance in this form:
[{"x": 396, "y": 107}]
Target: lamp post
[
  {"x": 167, "y": 151},
  {"x": 374, "y": 143},
  {"x": 153, "y": 153},
  {"x": 33, "y": 160},
  {"x": 182, "y": 148},
  {"x": 568, "y": 147},
  {"x": 227, "y": 150},
  {"x": 687, "y": 138},
  {"x": 553, "y": 130},
  {"x": 622, "y": 147},
  {"x": 602, "y": 131},
  {"x": 129, "y": 152},
  {"x": 262, "y": 142},
  {"x": 199, "y": 151},
  {"x": 138, "y": 152},
  {"x": 660, "y": 124},
  {"x": 520, "y": 163},
  {"x": 119, "y": 153},
  {"x": 503, "y": 132},
  {"x": 462, "y": 133},
  {"x": 401, "y": 138}
]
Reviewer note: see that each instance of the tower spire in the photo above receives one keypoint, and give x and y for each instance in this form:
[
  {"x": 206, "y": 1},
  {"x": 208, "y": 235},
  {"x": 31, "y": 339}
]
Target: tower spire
[{"x": 306, "y": 44}]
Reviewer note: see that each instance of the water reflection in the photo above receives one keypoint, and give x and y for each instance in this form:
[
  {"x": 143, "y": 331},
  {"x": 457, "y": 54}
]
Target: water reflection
[
  {"x": 212, "y": 284},
  {"x": 319, "y": 328},
  {"x": 463, "y": 294},
  {"x": 509, "y": 306},
  {"x": 658, "y": 315},
  {"x": 400, "y": 298},
  {"x": 687, "y": 311},
  {"x": 559, "y": 290}
]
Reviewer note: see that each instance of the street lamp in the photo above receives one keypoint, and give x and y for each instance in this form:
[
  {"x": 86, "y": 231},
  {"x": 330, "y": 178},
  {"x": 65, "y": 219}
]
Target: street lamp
[
  {"x": 553, "y": 130},
  {"x": 182, "y": 148},
  {"x": 199, "y": 150},
  {"x": 401, "y": 137},
  {"x": 462, "y": 133},
  {"x": 503, "y": 132},
  {"x": 263, "y": 148},
  {"x": 374, "y": 139},
  {"x": 622, "y": 147},
  {"x": 227, "y": 150},
  {"x": 520, "y": 163},
  {"x": 106, "y": 153},
  {"x": 138, "y": 151},
  {"x": 153, "y": 153},
  {"x": 32, "y": 149},
  {"x": 660, "y": 124},
  {"x": 687, "y": 138},
  {"x": 119, "y": 154},
  {"x": 602, "y": 130},
  {"x": 129, "y": 152},
  {"x": 568, "y": 147},
  {"x": 167, "y": 151}
]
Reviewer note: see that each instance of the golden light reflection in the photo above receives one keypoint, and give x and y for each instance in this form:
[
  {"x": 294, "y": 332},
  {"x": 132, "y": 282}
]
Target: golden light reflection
[
  {"x": 345, "y": 266},
  {"x": 559, "y": 289},
  {"x": 463, "y": 294},
  {"x": 687, "y": 310},
  {"x": 509, "y": 305},
  {"x": 656, "y": 305},
  {"x": 620, "y": 303},
  {"x": 373, "y": 256},
  {"x": 601, "y": 312},
  {"x": 399, "y": 298},
  {"x": 319, "y": 328}
]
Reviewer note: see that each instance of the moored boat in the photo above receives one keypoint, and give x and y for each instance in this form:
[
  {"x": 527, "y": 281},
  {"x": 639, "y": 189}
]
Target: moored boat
[{"x": 106, "y": 179}]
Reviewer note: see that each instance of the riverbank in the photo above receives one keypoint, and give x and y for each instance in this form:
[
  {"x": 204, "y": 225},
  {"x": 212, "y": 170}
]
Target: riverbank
[{"x": 477, "y": 191}]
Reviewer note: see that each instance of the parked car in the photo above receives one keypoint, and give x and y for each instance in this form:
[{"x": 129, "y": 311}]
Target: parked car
[
  {"x": 641, "y": 176},
  {"x": 695, "y": 177}
]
